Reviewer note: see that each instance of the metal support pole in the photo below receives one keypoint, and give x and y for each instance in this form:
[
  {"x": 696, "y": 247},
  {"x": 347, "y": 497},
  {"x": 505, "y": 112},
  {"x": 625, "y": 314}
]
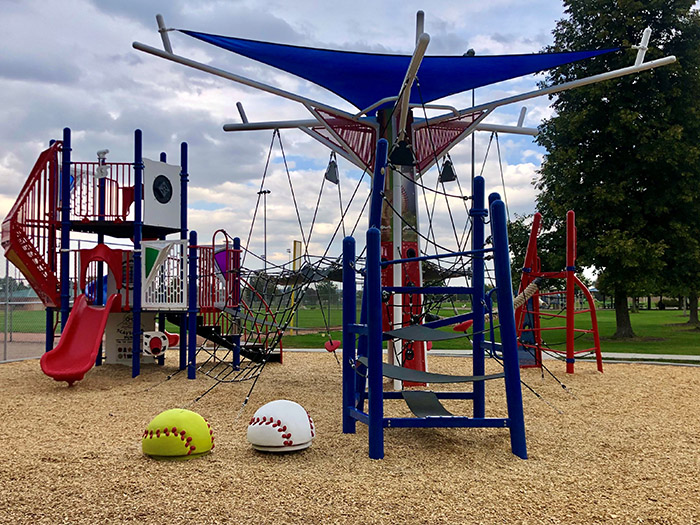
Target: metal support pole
[
  {"x": 184, "y": 178},
  {"x": 506, "y": 319},
  {"x": 478, "y": 214},
  {"x": 100, "y": 288},
  {"x": 138, "y": 228},
  {"x": 473, "y": 147},
  {"x": 237, "y": 296},
  {"x": 349, "y": 318},
  {"x": 570, "y": 290},
  {"x": 373, "y": 290},
  {"x": 375, "y": 217},
  {"x": 7, "y": 305},
  {"x": 375, "y": 208},
  {"x": 192, "y": 309},
  {"x": 65, "y": 228},
  {"x": 161, "y": 314}
]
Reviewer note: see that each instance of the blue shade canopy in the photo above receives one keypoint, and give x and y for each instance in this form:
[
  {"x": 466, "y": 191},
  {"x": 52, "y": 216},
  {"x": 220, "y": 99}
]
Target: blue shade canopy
[{"x": 364, "y": 78}]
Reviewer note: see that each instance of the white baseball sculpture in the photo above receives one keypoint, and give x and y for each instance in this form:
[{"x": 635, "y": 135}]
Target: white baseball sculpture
[{"x": 281, "y": 426}]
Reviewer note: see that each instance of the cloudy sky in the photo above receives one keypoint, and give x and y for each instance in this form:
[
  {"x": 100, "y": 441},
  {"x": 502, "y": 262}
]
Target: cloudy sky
[{"x": 70, "y": 63}]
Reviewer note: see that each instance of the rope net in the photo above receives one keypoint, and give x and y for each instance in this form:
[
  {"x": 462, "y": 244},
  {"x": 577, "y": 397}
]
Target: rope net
[{"x": 244, "y": 330}]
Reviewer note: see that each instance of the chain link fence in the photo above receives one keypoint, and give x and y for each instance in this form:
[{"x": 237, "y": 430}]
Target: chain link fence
[{"x": 22, "y": 318}]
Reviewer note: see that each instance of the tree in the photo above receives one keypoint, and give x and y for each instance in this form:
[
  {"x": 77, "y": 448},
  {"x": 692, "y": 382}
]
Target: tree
[
  {"x": 624, "y": 154},
  {"x": 12, "y": 285}
]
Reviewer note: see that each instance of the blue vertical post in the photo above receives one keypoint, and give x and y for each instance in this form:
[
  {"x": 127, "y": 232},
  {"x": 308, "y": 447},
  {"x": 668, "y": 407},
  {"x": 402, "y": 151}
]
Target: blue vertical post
[
  {"x": 375, "y": 207},
  {"x": 478, "y": 214},
  {"x": 100, "y": 285},
  {"x": 373, "y": 290},
  {"x": 489, "y": 299},
  {"x": 236, "y": 296},
  {"x": 65, "y": 229},
  {"x": 506, "y": 319},
  {"x": 138, "y": 228},
  {"x": 161, "y": 315},
  {"x": 375, "y": 218},
  {"x": 49, "y": 329},
  {"x": 192, "y": 308},
  {"x": 349, "y": 317},
  {"x": 183, "y": 235},
  {"x": 55, "y": 189}
]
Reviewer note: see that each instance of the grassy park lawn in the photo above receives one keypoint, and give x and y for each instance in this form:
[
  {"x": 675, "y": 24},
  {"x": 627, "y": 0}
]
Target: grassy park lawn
[{"x": 658, "y": 332}]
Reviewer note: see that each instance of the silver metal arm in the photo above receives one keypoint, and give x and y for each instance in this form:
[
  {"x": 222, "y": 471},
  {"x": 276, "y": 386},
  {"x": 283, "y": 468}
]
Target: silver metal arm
[
  {"x": 521, "y": 118},
  {"x": 240, "y": 79},
  {"x": 642, "y": 47},
  {"x": 561, "y": 87},
  {"x": 311, "y": 123},
  {"x": 241, "y": 112},
  {"x": 411, "y": 72},
  {"x": 164, "y": 33},
  {"x": 500, "y": 128}
]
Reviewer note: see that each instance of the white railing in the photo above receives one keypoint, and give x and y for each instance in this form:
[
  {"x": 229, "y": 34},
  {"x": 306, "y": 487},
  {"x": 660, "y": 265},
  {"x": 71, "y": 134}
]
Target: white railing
[{"x": 165, "y": 279}]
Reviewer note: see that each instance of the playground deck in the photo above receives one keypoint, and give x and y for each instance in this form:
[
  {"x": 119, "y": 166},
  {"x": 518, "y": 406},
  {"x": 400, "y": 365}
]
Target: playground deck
[{"x": 623, "y": 451}]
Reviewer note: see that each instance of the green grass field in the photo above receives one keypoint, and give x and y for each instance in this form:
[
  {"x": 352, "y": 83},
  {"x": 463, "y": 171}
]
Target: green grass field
[{"x": 658, "y": 331}]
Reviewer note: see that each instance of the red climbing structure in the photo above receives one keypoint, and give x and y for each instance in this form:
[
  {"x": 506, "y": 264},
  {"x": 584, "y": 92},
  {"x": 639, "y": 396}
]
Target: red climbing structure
[
  {"x": 29, "y": 232},
  {"x": 528, "y": 317}
]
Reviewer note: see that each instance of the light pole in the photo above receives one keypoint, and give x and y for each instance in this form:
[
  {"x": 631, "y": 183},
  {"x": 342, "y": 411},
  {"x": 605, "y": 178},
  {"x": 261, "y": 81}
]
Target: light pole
[{"x": 264, "y": 193}]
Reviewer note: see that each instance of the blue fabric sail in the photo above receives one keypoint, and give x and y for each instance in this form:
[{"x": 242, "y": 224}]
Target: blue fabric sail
[{"x": 365, "y": 78}]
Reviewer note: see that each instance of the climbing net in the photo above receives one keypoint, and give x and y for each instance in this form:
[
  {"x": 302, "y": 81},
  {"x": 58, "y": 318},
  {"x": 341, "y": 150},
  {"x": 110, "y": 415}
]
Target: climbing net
[
  {"x": 250, "y": 334},
  {"x": 249, "y": 318}
]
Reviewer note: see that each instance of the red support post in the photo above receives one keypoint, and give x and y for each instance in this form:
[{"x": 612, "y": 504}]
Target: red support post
[
  {"x": 570, "y": 289},
  {"x": 531, "y": 271}
]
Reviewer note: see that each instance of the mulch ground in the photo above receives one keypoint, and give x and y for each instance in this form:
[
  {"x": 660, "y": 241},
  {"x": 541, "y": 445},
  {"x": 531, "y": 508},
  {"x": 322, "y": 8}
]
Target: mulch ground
[{"x": 619, "y": 447}]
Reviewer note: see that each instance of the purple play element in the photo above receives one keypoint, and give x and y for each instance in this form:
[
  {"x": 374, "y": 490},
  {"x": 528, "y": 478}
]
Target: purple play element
[{"x": 220, "y": 260}]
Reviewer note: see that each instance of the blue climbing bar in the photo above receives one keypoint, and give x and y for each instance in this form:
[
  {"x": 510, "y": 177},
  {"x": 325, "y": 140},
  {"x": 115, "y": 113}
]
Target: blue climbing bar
[
  {"x": 349, "y": 337},
  {"x": 506, "y": 319}
]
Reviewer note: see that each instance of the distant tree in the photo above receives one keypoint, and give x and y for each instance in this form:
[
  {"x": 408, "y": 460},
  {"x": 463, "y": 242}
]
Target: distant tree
[
  {"x": 625, "y": 154},
  {"x": 12, "y": 285}
]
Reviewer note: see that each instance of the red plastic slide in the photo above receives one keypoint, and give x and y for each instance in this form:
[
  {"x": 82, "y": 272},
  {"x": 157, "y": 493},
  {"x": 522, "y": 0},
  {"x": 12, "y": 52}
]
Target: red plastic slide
[{"x": 77, "y": 349}]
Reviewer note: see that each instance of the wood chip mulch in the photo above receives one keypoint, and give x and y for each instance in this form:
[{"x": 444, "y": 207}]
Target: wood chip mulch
[{"x": 618, "y": 447}]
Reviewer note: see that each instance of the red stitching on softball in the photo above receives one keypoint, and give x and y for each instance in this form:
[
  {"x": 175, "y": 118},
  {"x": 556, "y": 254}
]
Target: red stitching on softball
[{"x": 149, "y": 434}]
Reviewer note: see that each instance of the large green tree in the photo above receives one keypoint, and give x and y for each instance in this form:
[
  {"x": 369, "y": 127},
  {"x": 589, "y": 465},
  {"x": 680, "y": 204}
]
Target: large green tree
[{"x": 625, "y": 153}]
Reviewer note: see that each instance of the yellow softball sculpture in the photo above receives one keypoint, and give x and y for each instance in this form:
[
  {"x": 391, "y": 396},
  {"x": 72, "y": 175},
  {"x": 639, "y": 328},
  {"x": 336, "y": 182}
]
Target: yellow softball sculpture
[{"x": 177, "y": 434}]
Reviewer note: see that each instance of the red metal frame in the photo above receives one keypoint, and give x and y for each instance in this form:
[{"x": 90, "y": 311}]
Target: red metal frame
[
  {"x": 29, "y": 231},
  {"x": 119, "y": 191},
  {"x": 531, "y": 271}
]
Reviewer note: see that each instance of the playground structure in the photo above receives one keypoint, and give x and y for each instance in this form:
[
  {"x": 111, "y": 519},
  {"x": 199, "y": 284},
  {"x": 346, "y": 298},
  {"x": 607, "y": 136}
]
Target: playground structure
[
  {"x": 211, "y": 299},
  {"x": 363, "y": 367},
  {"x": 416, "y": 143},
  {"x": 528, "y": 317},
  {"x": 395, "y": 262},
  {"x": 203, "y": 289}
]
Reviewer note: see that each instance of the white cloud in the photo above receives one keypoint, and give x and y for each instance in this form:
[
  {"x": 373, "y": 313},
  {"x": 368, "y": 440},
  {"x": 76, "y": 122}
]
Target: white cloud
[{"x": 70, "y": 63}]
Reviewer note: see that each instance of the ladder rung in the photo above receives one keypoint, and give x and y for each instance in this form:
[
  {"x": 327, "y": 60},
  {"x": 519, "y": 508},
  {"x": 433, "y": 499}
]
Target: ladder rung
[{"x": 360, "y": 329}]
